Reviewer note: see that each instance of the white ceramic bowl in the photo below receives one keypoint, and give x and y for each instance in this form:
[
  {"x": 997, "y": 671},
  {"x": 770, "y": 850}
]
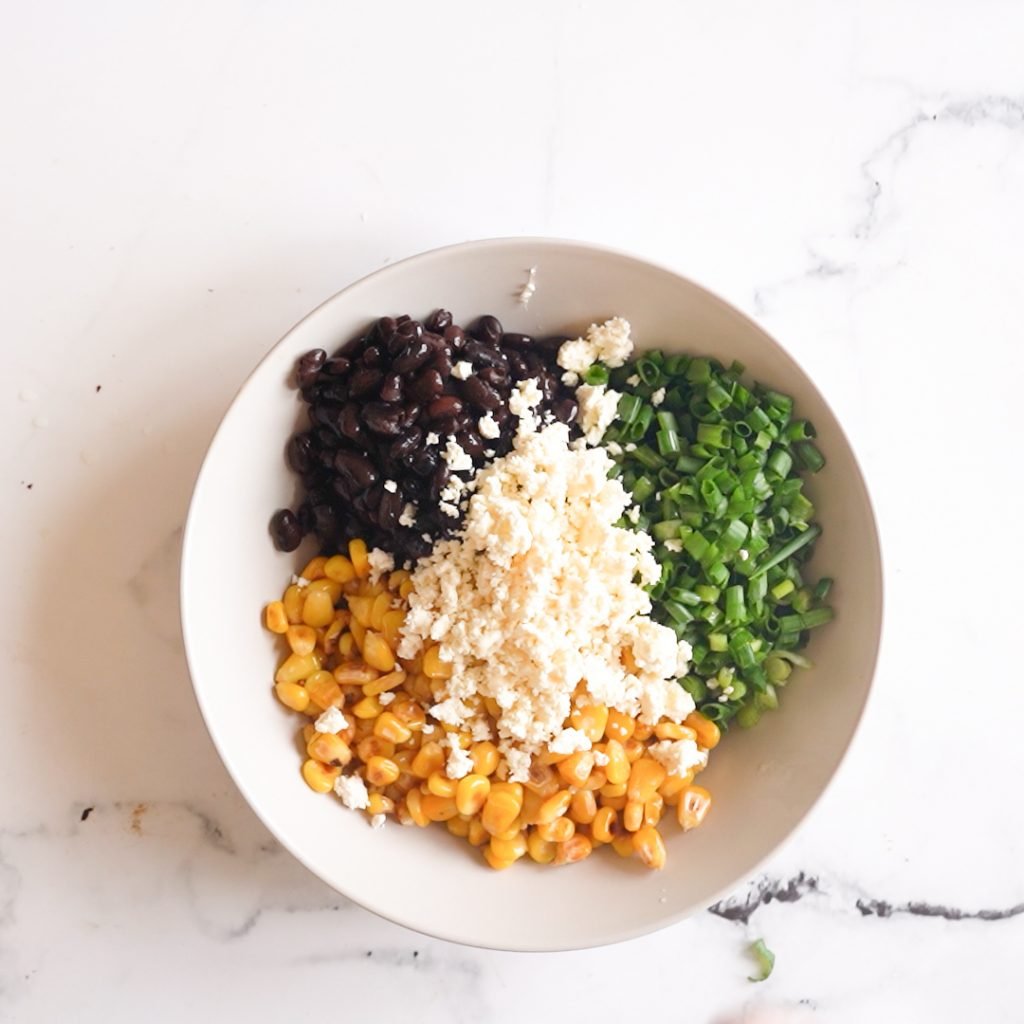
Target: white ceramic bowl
[{"x": 764, "y": 781}]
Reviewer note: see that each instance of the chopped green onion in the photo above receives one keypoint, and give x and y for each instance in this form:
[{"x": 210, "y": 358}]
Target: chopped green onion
[
  {"x": 762, "y": 954},
  {"x": 596, "y": 374},
  {"x": 805, "y": 620}
]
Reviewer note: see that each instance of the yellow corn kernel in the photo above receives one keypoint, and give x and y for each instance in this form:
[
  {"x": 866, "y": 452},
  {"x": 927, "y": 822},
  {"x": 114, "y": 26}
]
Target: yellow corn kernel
[
  {"x": 634, "y": 749},
  {"x": 554, "y": 807},
  {"x": 333, "y": 632},
  {"x": 596, "y": 780},
  {"x": 409, "y": 712},
  {"x": 346, "y": 645},
  {"x": 592, "y": 719},
  {"x": 390, "y": 681},
  {"x": 496, "y": 862},
  {"x": 392, "y": 624},
  {"x": 576, "y": 848},
  {"x": 620, "y": 726},
  {"x": 368, "y": 707},
  {"x": 509, "y": 849},
  {"x": 492, "y": 707},
  {"x": 406, "y": 589},
  {"x": 428, "y": 760},
  {"x": 633, "y": 815},
  {"x": 381, "y": 606},
  {"x": 319, "y": 777},
  {"x": 374, "y": 746},
  {"x": 358, "y": 555},
  {"x": 583, "y": 807},
  {"x": 323, "y": 691},
  {"x": 325, "y": 586},
  {"x": 293, "y": 600},
  {"x": 358, "y": 631},
  {"x": 377, "y": 652},
  {"x": 390, "y": 727},
  {"x": 318, "y": 610},
  {"x": 576, "y": 768},
  {"x": 558, "y": 831},
  {"x": 605, "y": 826},
  {"x": 653, "y": 809},
  {"x": 623, "y": 845},
  {"x": 708, "y": 734},
  {"x": 440, "y": 785},
  {"x": 380, "y": 804},
  {"x": 339, "y": 569},
  {"x": 275, "y": 617},
  {"x": 674, "y": 731},
  {"x": 471, "y": 793},
  {"x": 439, "y": 808},
  {"x": 292, "y": 695},
  {"x": 355, "y": 673},
  {"x": 414, "y": 805},
  {"x": 616, "y": 803},
  {"x": 397, "y": 578},
  {"x": 314, "y": 568},
  {"x": 502, "y": 807},
  {"x": 308, "y": 732},
  {"x": 645, "y": 776},
  {"x": 381, "y": 771},
  {"x": 297, "y": 667},
  {"x": 543, "y": 780},
  {"x": 485, "y": 757},
  {"x": 613, "y": 789},
  {"x": 617, "y": 768},
  {"x": 329, "y": 748},
  {"x": 649, "y": 847},
  {"x": 643, "y": 732},
  {"x": 540, "y": 850},
  {"x": 477, "y": 835},
  {"x": 532, "y": 803},
  {"x": 301, "y": 639},
  {"x": 512, "y": 831},
  {"x": 361, "y": 609},
  {"x": 694, "y": 804},
  {"x": 671, "y": 788},
  {"x": 458, "y": 826},
  {"x": 433, "y": 666}
]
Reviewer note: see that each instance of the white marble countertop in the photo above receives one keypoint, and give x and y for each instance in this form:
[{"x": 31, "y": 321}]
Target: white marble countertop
[{"x": 181, "y": 182}]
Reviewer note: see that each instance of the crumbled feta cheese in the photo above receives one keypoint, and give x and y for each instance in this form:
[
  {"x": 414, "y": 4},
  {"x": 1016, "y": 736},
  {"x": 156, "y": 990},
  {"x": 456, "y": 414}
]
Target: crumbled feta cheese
[
  {"x": 456, "y": 456},
  {"x": 570, "y": 378},
  {"x": 525, "y": 397},
  {"x": 614, "y": 448},
  {"x": 658, "y": 397},
  {"x": 480, "y": 730},
  {"x": 385, "y": 698},
  {"x": 678, "y": 756},
  {"x": 380, "y": 563},
  {"x": 378, "y": 821},
  {"x": 448, "y": 509},
  {"x": 390, "y": 485},
  {"x": 489, "y": 453},
  {"x": 459, "y": 763},
  {"x": 673, "y": 544},
  {"x": 608, "y": 343},
  {"x": 632, "y": 380},
  {"x": 353, "y": 792},
  {"x": 526, "y": 292},
  {"x": 633, "y": 514},
  {"x": 408, "y": 516},
  {"x": 488, "y": 427},
  {"x": 426, "y": 537},
  {"x": 569, "y": 741},
  {"x": 300, "y": 581},
  {"x": 601, "y": 758},
  {"x": 684, "y": 652},
  {"x": 433, "y": 438},
  {"x": 631, "y": 447},
  {"x": 539, "y": 591},
  {"x": 462, "y": 370},
  {"x": 598, "y": 406},
  {"x": 331, "y": 720}
]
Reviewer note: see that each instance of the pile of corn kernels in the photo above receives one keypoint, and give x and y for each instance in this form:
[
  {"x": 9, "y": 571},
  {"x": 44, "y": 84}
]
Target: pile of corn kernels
[{"x": 342, "y": 630}]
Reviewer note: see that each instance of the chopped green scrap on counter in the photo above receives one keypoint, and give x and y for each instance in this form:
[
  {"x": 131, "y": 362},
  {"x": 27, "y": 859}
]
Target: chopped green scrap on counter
[{"x": 765, "y": 960}]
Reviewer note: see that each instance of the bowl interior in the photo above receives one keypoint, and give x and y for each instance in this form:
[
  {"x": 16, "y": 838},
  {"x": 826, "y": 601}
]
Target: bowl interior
[{"x": 763, "y": 781}]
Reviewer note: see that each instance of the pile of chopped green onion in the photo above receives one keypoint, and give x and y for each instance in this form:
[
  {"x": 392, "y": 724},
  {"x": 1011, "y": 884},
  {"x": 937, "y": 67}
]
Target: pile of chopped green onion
[{"x": 714, "y": 467}]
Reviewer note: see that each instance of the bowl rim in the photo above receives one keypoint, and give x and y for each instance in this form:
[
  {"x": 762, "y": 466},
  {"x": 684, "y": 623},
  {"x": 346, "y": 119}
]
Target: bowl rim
[{"x": 441, "y": 931}]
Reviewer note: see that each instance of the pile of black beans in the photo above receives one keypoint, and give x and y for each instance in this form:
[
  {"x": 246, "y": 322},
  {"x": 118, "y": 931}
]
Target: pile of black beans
[{"x": 372, "y": 406}]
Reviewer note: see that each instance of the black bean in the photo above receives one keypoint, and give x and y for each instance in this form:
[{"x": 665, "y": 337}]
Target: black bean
[
  {"x": 364, "y": 380},
  {"x": 349, "y": 425},
  {"x": 439, "y": 320},
  {"x": 552, "y": 344},
  {"x": 285, "y": 530},
  {"x": 406, "y": 444},
  {"x": 351, "y": 348},
  {"x": 415, "y": 353},
  {"x": 326, "y": 415},
  {"x": 338, "y": 366},
  {"x": 480, "y": 394},
  {"x": 336, "y": 392},
  {"x": 425, "y": 462},
  {"x": 485, "y": 356},
  {"x": 371, "y": 356},
  {"x": 445, "y": 407},
  {"x": 384, "y": 329},
  {"x": 307, "y": 521},
  {"x": 534, "y": 363},
  {"x": 517, "y": 366},
  {"x": 383, "y": 418},
  {"x": 308, "y": 366},
  {"x": 565, "y": 410},
  {"x": 471, "y": 442},
  {"x": 455, "y": 336},
  {"x": 391, "y": 388},
  {"x": 487, "y": 329},
  {"x": 389, "y": 509},
  {"x": 548, "y": 387},
  {"x": 427, "y": 385},
  {"x": 410, "y": 414},
  {"x": 442, "y": 362},
  {"x": 356, "y": 468},
  {"x": 395, "y": 345},
  {"x": 442, "y": 474},
  {"x": 460, "y": 422},
  {"x": 501, "y": 415},
  {"x": 411, "y": 330},
  {"x": 496, "y": 376},
  {"x": 300, "y": 452},
  {"x": 522, "y": 342},
  {"x": 402, "y": 319}
]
